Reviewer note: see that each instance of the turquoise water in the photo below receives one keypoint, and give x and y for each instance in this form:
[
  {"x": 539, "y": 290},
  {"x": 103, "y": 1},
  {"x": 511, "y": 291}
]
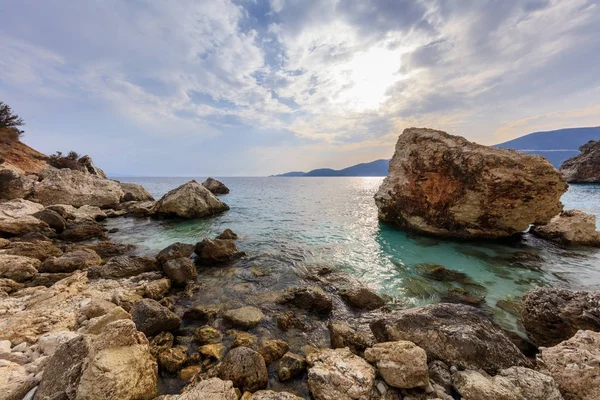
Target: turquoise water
[{"x": 288, "y": 224}]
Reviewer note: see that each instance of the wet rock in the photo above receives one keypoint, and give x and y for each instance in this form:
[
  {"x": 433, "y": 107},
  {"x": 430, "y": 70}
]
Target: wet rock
[
  {"x": 215, "y": 351},
  {"x": 216, "y": 187},
  {"x": 15, "y": 380},
  {"x": 272, "y": 350},
  {"x": 16, "y": 218},
  {"x": 271, "y": 395},
  {"x": 439, "y": 373},
  {"x": 342, "y": 335},
  {"x": 176, "y": 250},
  {"x": 244, "y": 339},
  {"x": 310, "y": 298},
  {"x": 157, "y": 289},
  {"x": 339, "y": 374},
  {"x": 210, "y": 389},
  {"x": 585, "y": 167},
  {"x": 85, "y": 230},
  {"x": 447, "y": 186},
  {"x": 18, "y": 268},
  {"x": 551, "y": 315},
  {"x": 201, "y": 313},
  {"x": 454, "y": 333},
  {"x": 40, "y": 249},
  {"x": 289, "y": 320},
  {"x": 290, "y": 365},
  {"x": 107, "y": 249},
  {"x": 243, "y": 318},
  {"x": 173, "y": 359},
  {"x": 216, "y": 251},
  {"x": 362, "y": 297},
  {"x": 152, "y": 318},
  {"x": 460, "y": 295},
  {"x": 188, "y": 373},
  {"x": 190, "y": 200},
  {"x": 228, "y": 234},
  {"x": 245, "y": 368},
  {"x": 52, "y": 218},
  {"x": 572, "y": 227},
  {"x": 161, "y": 342},
  {"x": 440, "y": 273},
  {"x": 206, "y": 335},
  {"x": 574, "y": 365},
  {"x": 402, "y": 364},
  {"x": 123, "y": 267},
  {"x": 69, "y": 262},
  {"x": 134, "y": 192},
  {"x": 179, "y": 270}
]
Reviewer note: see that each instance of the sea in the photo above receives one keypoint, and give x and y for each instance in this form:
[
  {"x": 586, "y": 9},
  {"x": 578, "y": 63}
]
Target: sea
[{"x": 289, "y": 225}]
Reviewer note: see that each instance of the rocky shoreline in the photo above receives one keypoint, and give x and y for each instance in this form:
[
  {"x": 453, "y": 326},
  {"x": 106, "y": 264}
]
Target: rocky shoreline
[{"x": 82, "y": 317}]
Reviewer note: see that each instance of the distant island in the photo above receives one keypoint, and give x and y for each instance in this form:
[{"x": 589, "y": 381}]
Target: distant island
[{"x": 557, "y": 146}]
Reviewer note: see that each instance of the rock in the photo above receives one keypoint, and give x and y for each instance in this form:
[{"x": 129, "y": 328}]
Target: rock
[
  {"x": 40, "y": 249},
  {"x": 339, "y": 375},
  {"x": 97, "y": 307},
  {"x": 80, "y": 214},
  {"x": 85, "y": 230},
  {"x": 89, "y": 167},
  {"x": 215, "y": 351},
  {"x": 310, "y": 298},
  {"x": 460, "y": 295},
  {"x": 291, "y": 365},
  {"x": 447, "y": 186},
  {"x": 14, "y": 185},
  {"x": 188, "y": 373},
  {"x": 161, "y": 342},
  {"x": 272, "y": 350},
  {"x": 134, "y": 192},
  {"x": 122, "y": 267},
  {"x": 5, "y": 346},
  {"x": 4, "y": 243},
  {"x": 210, "y": 389},
  {"x": 176, "y": 250},
  {"x": 585, "y": 167},
  {"x": 53, "y": 219},
  {"x": 157, "y": 289},
  {"x": 152, "y": 318},
  {"x": 16, "y": 218},
  {"x": 453, "y": 333},
  {"x": 440, "y": 273},
  {"x": 228, "y": 234},
  {"x": 571, "y": 227},
  {"x": 532, "y": 385},
  {"x": 243, "y": 318},
  {"x": 439, "y": 373},
  {"x": 574, "y": 365},
  {"x": 244, "y": 339},
  {"x": 173, "y": 359},
  {"x": 138, "y": 208},
  {"x": 106, "y": 249},
  {"x": 76, "y": 188},
  {"x": 401, "y": 364},
  {"x": 96, "y": 325},
  {"x": 116, "y": 364},
  {"x": 207, "y": 334},
  {"x": 288, "y": 320},
  {"x": 179, "y": 270},
  {"x": 79, "y": 259},
  {"x": 190, "y": 200},
  {"x": 216, "y": 251},
  {"x": 18, "y": 268},
  {"x": 215, "y": 186},
  {"x": 9, "y": 286},
  {"x": 271, "y": 395},
  {"x": 245, "y": 368},
  {"x": 47, "y": 279},
  {"x": 551, "y": 315},
  {"x": 342, "y": 335},
  {"x": 15, "y": 380},
  {"x": 362, "y": 297},
  {"x": 201, "y": 313}
]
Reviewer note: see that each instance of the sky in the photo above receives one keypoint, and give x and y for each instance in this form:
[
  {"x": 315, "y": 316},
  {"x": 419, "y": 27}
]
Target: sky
[{"x": 258, "y": 87}]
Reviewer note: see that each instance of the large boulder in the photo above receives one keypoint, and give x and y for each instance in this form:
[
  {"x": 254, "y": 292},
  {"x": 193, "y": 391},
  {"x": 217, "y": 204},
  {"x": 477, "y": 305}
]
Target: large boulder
[
  {"x": 456, "y": 334},
  {"x": 190, "y": 200},
  {"x": 402, "y": 364},
  {"x": 76, "y": 188},
  {"x": 340, "y": 375},
  {"x": 16, "y": 218},
  {"x": 585, "y": 167},
  {"x": 551, "y": 315},
  {"x": 18, "y": 268},
  {"x": 245, "y": 368},
  {"x": 14, "y": 185},
  {"x": 135, "y": 192},
  {"x": 215, "y": 186},
  {"x": 572, "y": 227},
  {"x": 152, "y": 318},
  {"x": 216, "y": 251},
  {"x": 53, "y": 219},
  {"x": 447, "y": 186},
  {"x": 574, "y": 365}
]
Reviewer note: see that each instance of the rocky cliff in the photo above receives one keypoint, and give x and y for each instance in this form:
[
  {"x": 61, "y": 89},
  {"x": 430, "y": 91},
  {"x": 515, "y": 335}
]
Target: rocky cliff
[{"x": 584, "y": 168}]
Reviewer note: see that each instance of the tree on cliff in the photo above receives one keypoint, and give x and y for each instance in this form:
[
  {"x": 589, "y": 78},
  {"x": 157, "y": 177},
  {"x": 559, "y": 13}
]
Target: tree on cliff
[{"x": 8, "y": 119}]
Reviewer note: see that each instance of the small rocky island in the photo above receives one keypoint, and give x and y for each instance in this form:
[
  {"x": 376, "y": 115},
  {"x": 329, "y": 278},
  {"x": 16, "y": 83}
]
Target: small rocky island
[
  {"x": 585, "y": 167},
  {"x": 83, "y": 317}
]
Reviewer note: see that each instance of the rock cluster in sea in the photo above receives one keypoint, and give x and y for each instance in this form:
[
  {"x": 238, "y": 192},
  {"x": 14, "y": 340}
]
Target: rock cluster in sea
[{"x": 585, "y": 167}]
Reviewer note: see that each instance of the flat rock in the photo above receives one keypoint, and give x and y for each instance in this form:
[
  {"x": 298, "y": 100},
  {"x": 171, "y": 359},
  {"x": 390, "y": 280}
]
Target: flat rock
[
  {"x": 585, "y": 167},
  {"x": 243, "y": 318},
  {"x": 572, "y": 227},
  {"x": 16, "y": 217},
  {"x": 190, "y": 200},
  {"x": 402, "y": 364},
  {"x": 70, "y": 262},
  {"x": 18, "y": 268},
  {"x": 40, "y": 249},
  {"x": 83, "y": 230},
  {"x": 245, "y": 368},
  {"x": 123, "y": 266}
]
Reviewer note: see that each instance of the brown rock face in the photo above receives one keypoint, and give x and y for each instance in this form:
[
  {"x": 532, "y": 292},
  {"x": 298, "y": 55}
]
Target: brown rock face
[
  {"x": 584, "y": 168},
  {"x": 572, "y": 227},
  {"x": 447, "y": 186}
]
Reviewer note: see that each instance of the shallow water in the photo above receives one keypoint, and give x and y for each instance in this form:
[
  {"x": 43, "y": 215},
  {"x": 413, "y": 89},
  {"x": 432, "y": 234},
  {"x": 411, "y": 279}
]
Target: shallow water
[{"x": 287, "y": 224}]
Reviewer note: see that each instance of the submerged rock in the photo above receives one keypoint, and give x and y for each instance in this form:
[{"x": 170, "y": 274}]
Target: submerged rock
[
  {"x": 585, "y": 167},
  {"x": 243, "y": 318},
  {"x": 571, "y": 227},
  {"x": 552, "y": 315},
  {"x": 310, "y": 298},
  {"x": 245, "y": 368},
  {"x": 190, "y": 200},
  {"x": 402, "y": 364},
  {"x": 134, "y": 192},
  {"x": 447, "y": 186},
  {"x": 215, "y": 186}
]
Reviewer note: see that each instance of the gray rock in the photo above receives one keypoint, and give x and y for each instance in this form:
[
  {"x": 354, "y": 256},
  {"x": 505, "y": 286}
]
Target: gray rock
[
  {"x": 179, "y": 270},
  {"x": 245, "y": 368},
  {"x": 176, "y": 250},
  {"x": 190, "y": 200},
  {"x": 123, "y": 267},
  {"x": 215, "y": 186},
  {"x": 243, "y": 318},
  {"x": 134, "y": 192},
  {"x": 152, "y": 318}
]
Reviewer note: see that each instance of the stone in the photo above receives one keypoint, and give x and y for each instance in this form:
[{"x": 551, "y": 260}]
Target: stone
[
  {"x": 215, "y": 351},
  {"x": 532, "y": 385},
  {"x": 188, "y": 373},
  {"x": 40, "y": 249},
  {"x": 362, "y": 297},
  {"x": 402, "y": 364},
  {"x": 78, "y": 214},
  {"x": 209, "y": 389},
  {"x": 456, "y": 334},
  {"x": 176, "y": 250},
  {"x": 439, "y": 373},
  {"x": 4, "y": 243},
  {"x": 440, "y": 273},
  {"x": 47, "y": 279},
  {"x": 173, "y": 359},
  {"x": 16, "y": 218},
  {"x": 343, "y": 335},
  {"x": 272, "y": 350},
  {"x": 216, "y": 251},
  {"x": 152, "y": 318},
  {"x": 215, "y": 186},
  {"x": 76, "y": 188},
  {"x": 206, "y": 335},
  {"x": 574, "y": 365},
  {"x": 245, "y": 368},
  {"x": 123, "y": 267},
  {"x": 290, "y": 365},
  {"x": 444, "y": 185},
  {"x": 161, "y": 342},
  {"x": 84, "y": 230},
  {"x": 288, "y": 320},
  {"x": 96, "y": 325},
  {"x": 134, "y": 192},
  {"x": 88, "y": 166},
  {"x": 14, "y": 380},
  {"x": 190, "y": 200},
  {"x": 244, "y": 339},
  {"x": 52, "y": 218},
  {"x": 69, "y": 262},
  {"x": 9, "y": 286},
  {"x": 107, "y": 249},
  {"x": 14, "y": 185},
  {"x": 585, "y": 167},
  {"x": 179, "y": 270},
  {"x": 140, "y": 209},
  {"x": 271, "y": 395},
  {"x": 243, "y": 318},
  {"x": 339, "y": 375},
  {"x": 460, "y": 295},
  {"x": 157, "y": 289},
  {"x": 551, "y": 315},
  {"x": 5, "y": 346},
  {"x": 50, "y": 342},
  {"x": 310, "y": 298},
  {"x": 97, "y": 307},
  {"x": 201, "y": 313},
  {"x": 18, "y": 268},
  {"x": 571, "y": 228},
  {"x": 228, "y": 234}
]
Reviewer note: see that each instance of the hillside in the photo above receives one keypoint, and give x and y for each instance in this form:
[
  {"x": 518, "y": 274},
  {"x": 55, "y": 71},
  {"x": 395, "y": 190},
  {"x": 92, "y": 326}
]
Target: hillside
[
  {"x": 374, "y": 168},
  {"x": 19, "y": 157}
]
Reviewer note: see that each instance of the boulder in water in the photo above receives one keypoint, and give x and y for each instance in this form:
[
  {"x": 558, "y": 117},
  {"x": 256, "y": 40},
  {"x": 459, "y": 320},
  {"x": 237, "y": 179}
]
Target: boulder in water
[
  {"x": 135, "y": 192},
  {"x": 585, "y": 167},
  {"x": 444, "y": 185},
  {"x": 216, "y": 251},
  {"x": 572, "y": 227},
  {"x": 245, "y": 368},
  {"x": 215, "y": 186},
  {"x": 190, "y": 200}
]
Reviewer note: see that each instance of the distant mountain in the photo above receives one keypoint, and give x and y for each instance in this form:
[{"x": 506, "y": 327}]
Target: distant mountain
[
  {"x": 375, "y": 168},
  {"x": 557, "y": 146}
]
